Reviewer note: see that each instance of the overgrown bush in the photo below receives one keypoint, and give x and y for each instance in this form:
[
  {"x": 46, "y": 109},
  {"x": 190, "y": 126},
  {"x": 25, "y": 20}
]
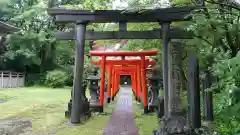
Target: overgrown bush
[
  {"x": 35, "y": 79},
  {"x": 227, "y": 102},
  {"x": 56, "y": 78},
  {"x": 69, "y": 73}
]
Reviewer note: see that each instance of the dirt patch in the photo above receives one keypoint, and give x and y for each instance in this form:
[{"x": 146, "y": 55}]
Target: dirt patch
[
  {"x": 15, "y": 126},
  {"x": 2, "y": 100}
]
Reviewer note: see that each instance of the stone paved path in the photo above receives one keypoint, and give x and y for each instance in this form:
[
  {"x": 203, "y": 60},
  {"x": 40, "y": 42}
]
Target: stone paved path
[{"x": 122, "y": 121}]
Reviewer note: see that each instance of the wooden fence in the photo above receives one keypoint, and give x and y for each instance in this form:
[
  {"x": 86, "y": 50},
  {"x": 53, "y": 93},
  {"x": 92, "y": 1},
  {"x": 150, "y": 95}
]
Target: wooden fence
[{"x": 11, "y": 79}]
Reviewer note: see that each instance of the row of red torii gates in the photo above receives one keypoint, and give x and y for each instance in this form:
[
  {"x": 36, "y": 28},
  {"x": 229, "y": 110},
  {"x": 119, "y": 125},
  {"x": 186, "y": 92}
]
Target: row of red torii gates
[{"x": 136, "y": 68}]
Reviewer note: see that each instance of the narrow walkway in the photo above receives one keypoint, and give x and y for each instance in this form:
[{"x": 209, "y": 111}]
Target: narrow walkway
[{"x": 122, "y": 121}]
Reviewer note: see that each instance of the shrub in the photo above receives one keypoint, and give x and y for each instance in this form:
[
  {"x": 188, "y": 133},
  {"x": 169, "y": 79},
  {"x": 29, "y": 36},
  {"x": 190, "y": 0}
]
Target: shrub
[
  {"x": 227, "y": 101},
  {"x": 35, "y": 79},
  {"x": 56, "y": 78},
  {"x": 69, "y": 71}
]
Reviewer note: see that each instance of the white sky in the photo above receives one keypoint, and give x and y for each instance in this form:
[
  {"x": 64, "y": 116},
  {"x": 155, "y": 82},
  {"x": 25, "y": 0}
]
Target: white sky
[
  {"x": 122, "y": 4},
  {"x": 237, "y": 1},
  {"x": 119, "y": 3}
]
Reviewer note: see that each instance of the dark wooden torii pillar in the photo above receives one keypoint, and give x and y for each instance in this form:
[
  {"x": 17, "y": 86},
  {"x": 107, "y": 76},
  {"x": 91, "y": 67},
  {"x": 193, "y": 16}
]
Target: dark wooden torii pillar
[
  {"x": 165, "y": 40},
  {"x": 78, "y": 72}
]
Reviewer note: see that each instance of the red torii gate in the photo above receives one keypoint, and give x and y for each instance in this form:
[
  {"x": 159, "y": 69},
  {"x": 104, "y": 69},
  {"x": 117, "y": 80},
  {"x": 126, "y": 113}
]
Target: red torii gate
[{"x": 123, "y": 54}]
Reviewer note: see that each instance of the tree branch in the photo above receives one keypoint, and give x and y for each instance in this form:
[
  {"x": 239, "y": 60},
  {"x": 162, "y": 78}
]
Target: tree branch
[
  {"x": 227, "y": 33},
  {"x": 223, "y": 4},
  {"x": 208, "y": 16},
  {"x": 205, "y": 40},
  {"x": 237, "y": 34}
]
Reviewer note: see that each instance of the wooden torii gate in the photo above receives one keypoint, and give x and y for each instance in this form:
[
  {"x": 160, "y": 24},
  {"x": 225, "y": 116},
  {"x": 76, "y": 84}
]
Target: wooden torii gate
[{"x": 83, "y": 17}]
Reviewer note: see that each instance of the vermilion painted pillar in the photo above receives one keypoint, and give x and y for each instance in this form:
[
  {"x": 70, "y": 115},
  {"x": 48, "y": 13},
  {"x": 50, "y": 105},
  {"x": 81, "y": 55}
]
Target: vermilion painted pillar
[
  {"x": 134, "y": 81},
  {"x": 115, "y": 85},
  {"x": 144, "y": 89},
  {"x": 118, "y": 84},
  {"x": 133, "y": 88},
  {"x": 132, "y": 78},
  {"x": 135, "y": 84},
  {"x": 139, "y": 87},
  {"x": 109, "y": 83},
  {"x": 113, "y": 82},
  {"x": 102, "y": 82}
]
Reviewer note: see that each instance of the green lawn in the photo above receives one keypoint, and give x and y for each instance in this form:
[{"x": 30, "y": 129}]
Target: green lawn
[
  {"x": 45, "y": 107},
  {"x": 146, "y": 123}
]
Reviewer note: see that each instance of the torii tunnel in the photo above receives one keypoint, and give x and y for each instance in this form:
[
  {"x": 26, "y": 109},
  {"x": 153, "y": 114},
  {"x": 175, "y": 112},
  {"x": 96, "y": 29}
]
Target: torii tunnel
[
  {"x": 124, "y": 67},
  {"x": 116, "y": 72},
  {"x": 136, "y": 68}
]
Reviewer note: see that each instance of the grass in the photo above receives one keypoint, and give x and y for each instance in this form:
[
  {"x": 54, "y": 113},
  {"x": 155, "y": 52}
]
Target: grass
[
  {"x": 146, "y": 123},
  {"x": 45, "y": 107},
  {"x": 94, "y": 126}
]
